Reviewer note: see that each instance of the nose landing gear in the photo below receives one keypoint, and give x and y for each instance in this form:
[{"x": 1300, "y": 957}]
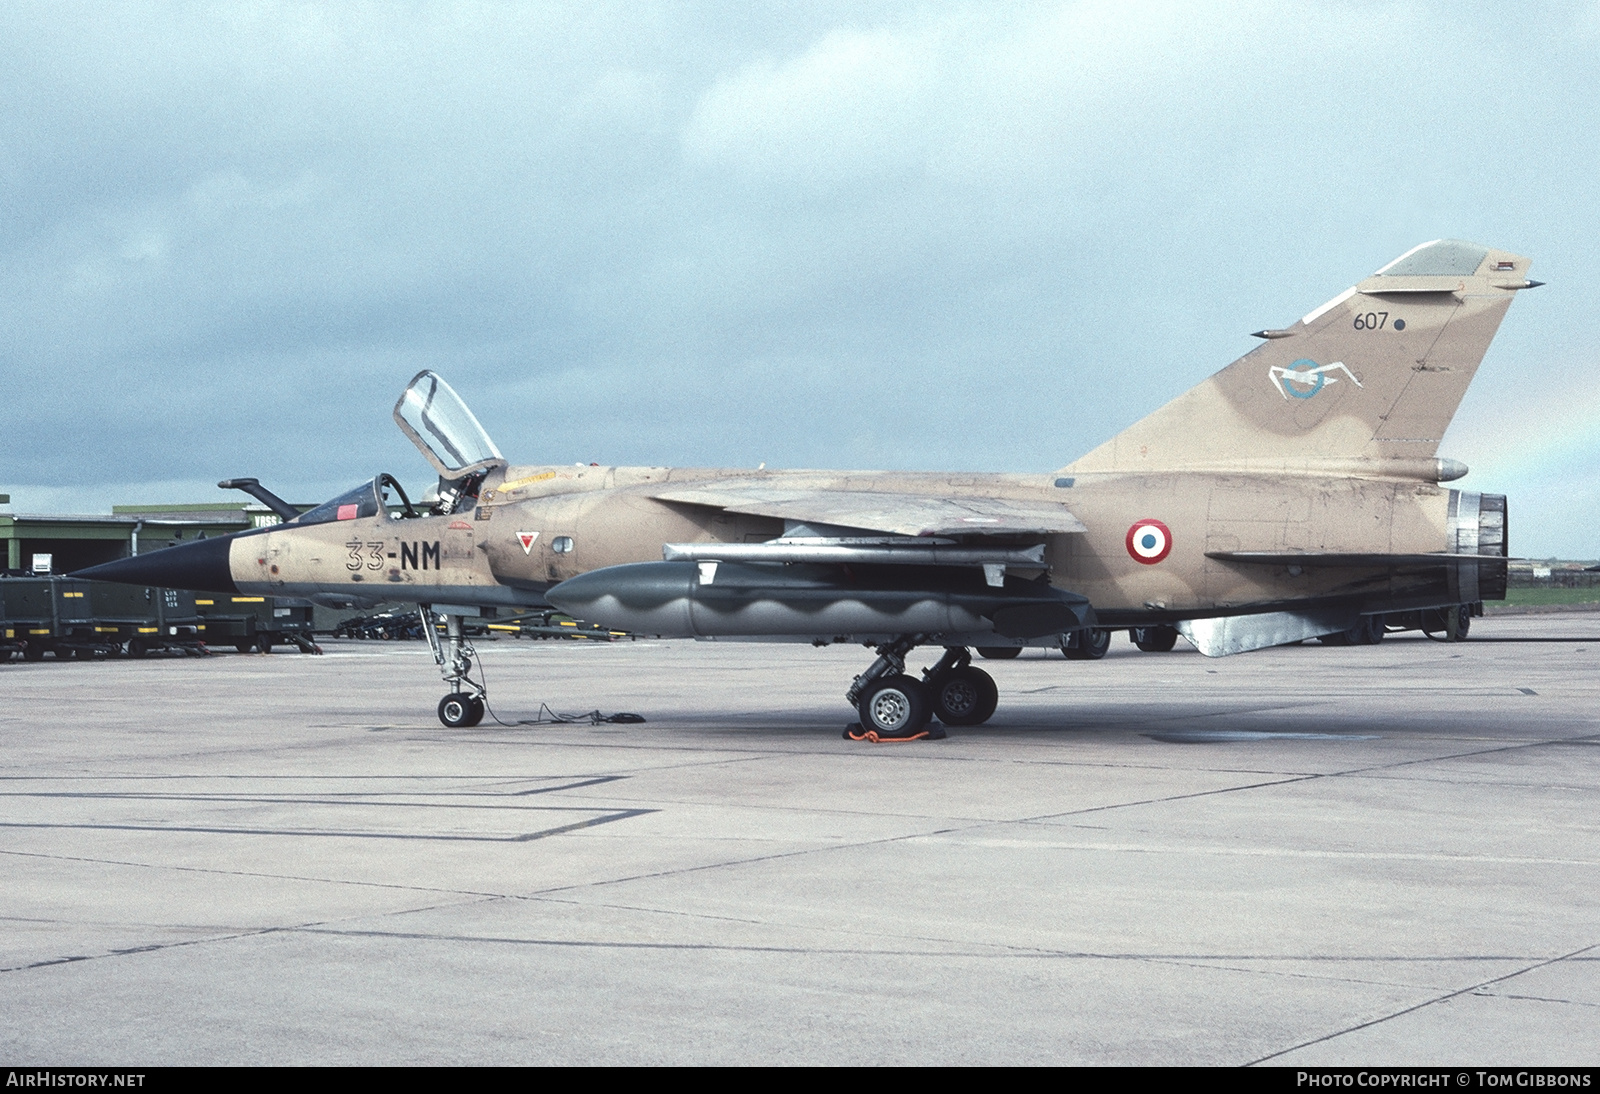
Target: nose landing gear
[{"x": 464, "y": 707}]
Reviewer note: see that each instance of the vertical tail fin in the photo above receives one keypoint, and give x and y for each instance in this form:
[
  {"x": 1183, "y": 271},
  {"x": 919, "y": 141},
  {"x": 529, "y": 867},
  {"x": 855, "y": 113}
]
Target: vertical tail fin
[{"x": 1371, "y": 378}]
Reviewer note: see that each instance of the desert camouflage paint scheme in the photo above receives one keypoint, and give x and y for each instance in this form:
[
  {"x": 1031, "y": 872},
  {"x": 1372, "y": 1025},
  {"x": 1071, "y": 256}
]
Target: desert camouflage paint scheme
[{"x": 1298, "y": 492}]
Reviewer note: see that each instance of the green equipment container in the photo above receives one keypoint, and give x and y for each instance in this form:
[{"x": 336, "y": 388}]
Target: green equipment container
[
  {"x": 55, "y": 615},
  {"x": 256, "y": 622},
  {"x": 147, "y": 620},
  {"x": 89, "y": 619}
]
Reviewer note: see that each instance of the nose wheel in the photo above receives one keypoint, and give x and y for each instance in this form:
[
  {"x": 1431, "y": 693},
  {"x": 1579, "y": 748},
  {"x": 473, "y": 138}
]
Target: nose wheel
[{"x": 458, "y": 710}]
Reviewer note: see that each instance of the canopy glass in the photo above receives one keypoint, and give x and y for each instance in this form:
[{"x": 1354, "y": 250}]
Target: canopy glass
[{"x": 441, "y": 426}]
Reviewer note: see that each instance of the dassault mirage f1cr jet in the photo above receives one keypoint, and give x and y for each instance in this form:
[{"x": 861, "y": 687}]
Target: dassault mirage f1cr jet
[{"x": 1297, "y": 493}]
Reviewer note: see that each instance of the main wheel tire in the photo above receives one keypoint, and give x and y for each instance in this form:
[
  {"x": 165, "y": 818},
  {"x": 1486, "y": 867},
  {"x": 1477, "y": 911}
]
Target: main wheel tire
[
  {"x": 477, "y": 712},
  {"x": 894, "y": 706},
  {"x": 33, "y": 651},
  {"x": 1368, "y": 632},
  {"x": 999, "y": 653},
  {"x": 456, "y": 710},
  {"x": 244, "y": 645},
  {"x": 1461, "y": 618},
  {"x": 1089, "y": 644},
  {"x": 1154, "y": 639},
  {"x": 965, "y": 697},
  {"x": 137, "y": 648}
]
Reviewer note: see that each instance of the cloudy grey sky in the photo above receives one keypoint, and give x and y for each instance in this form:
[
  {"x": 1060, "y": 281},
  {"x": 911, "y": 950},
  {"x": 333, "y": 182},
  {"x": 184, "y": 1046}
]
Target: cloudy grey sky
[{"x": 928, "y": 236}]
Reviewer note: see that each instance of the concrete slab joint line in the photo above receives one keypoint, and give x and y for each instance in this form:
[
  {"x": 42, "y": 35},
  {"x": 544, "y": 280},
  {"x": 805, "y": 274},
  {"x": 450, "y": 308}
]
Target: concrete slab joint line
[
  {"x": 1469, "y": 990},
  {"x": 521, "y": 837}
]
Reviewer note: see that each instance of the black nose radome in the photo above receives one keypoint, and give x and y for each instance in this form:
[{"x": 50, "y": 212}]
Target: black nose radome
[{"x": 201, "y": 565}]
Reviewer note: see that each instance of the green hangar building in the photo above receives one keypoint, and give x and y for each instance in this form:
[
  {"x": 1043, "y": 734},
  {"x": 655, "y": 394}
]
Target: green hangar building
[{"x": 61, "y": 543}]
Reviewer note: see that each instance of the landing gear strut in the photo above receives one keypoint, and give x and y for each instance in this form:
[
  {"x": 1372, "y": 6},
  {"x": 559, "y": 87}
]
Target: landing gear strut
[
  {"x": 464, "y": 706},
  {"x": 895, "y": 706}
]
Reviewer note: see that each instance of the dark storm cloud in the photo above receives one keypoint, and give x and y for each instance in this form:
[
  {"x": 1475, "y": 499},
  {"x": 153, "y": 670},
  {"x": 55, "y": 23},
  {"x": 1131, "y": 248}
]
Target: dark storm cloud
[{"x": 903, "y": 236}]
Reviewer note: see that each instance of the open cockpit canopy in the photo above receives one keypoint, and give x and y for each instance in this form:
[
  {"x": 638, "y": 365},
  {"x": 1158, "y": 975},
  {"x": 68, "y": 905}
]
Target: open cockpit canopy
[{"x": 443, "y": 429}]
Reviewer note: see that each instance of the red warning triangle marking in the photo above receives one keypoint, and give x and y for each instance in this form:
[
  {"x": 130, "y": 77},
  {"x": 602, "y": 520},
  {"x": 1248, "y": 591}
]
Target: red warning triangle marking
[{"x": 526, "y": 539}]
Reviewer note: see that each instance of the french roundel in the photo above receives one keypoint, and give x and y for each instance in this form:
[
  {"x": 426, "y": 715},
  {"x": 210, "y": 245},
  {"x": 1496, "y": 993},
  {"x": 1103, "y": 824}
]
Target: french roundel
[{"x": 1149, "y": 541}]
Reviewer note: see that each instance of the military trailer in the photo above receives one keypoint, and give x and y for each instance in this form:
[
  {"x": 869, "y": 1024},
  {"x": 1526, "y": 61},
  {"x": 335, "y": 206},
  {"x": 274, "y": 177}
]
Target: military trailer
[
  {"x": 256, "y": 622},
  {"x": 10, "y": 644},
  {"x": 147, "y": 620},
  {"x": 53, "y": 615},
  {"x": 552, "y": 624},
  {"x": 88, "y": 619},
  {"x": 385, "y": 625}
]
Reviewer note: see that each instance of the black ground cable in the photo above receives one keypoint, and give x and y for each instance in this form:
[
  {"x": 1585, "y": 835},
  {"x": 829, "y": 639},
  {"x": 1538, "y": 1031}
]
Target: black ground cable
[{"x": 594, "y": 717}]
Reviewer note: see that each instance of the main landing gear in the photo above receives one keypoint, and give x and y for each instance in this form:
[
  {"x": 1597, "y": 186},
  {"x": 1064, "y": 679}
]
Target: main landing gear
[
  {"x": 1088, "y": 644},
  {"x": 895, "y": 706},
  {"x": 1154, "y": 639},
  {"x": 464, "y": 706}
]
